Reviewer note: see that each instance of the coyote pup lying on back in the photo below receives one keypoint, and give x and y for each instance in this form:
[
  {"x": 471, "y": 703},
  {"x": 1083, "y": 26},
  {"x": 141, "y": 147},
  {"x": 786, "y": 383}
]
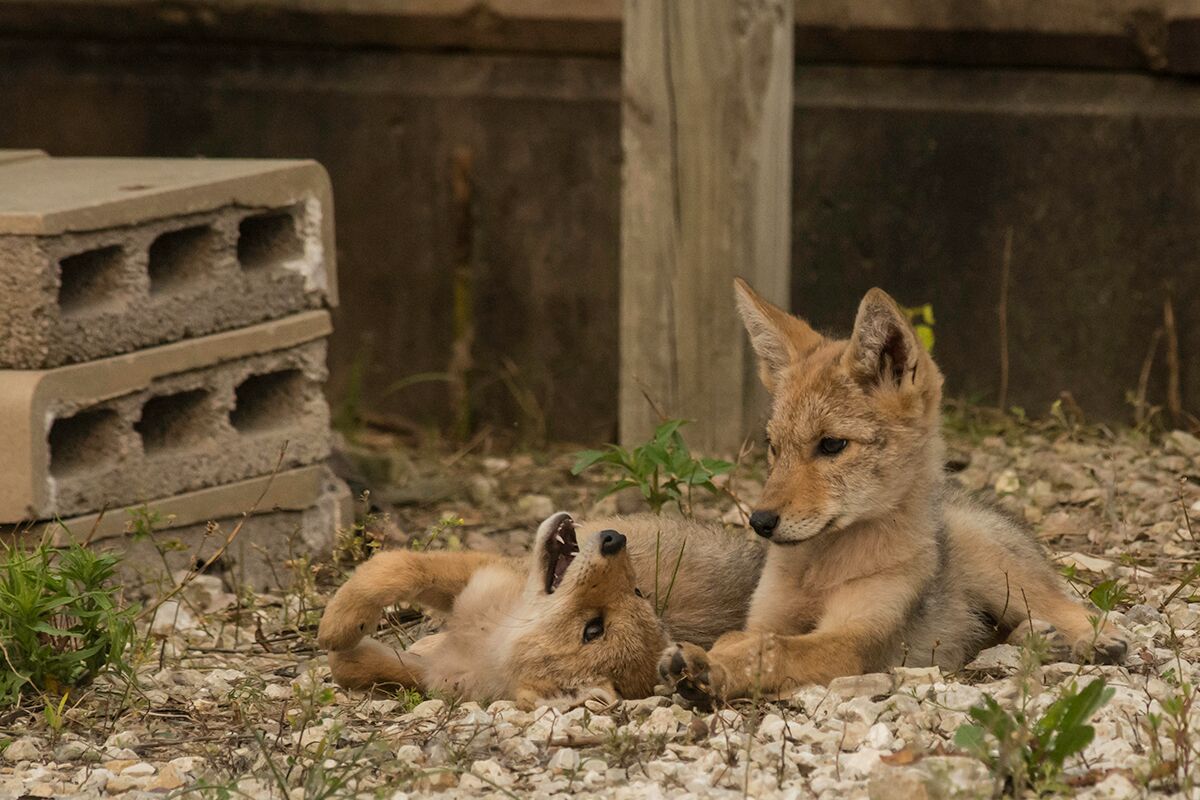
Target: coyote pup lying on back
[
  {"x": 574, "y": 619},
  {"x": 873, "y": 560}
]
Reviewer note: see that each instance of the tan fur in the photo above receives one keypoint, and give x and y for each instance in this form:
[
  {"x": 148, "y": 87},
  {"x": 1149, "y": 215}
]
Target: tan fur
[
  {"x": 507, "y": 638},
  {"x": 875, "y": 561}
]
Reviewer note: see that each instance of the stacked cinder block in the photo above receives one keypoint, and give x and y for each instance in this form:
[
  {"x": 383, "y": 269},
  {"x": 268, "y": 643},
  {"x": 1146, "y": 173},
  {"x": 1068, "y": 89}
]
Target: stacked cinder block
[{"x": 162, "y": 344}]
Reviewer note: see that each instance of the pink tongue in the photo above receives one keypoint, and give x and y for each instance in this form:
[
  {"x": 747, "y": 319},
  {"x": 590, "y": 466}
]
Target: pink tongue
[{"x": 560, "y": 568}]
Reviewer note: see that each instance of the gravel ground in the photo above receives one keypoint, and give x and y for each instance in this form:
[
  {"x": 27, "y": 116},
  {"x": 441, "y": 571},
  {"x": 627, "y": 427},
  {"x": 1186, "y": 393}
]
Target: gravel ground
[{"x": 232, "y": 699}]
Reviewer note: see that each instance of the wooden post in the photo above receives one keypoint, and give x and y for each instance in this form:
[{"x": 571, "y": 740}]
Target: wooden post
[{"x": 706, "y": 196}]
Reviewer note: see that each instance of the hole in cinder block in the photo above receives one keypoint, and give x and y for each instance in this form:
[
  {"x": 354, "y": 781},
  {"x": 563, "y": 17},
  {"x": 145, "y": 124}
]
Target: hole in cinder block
[
  {"x": 265, "y": 240},
  {"x": 83, "y": 442},
  {"x": 271, "y": 400},
  {"x": 172, "y": 421},
  {"x": 91, "y": 281},
  {"x": 180, "y": 257}
]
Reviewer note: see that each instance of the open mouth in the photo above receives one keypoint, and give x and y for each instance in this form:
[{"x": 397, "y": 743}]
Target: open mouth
[{"x": 561, "y": 549}]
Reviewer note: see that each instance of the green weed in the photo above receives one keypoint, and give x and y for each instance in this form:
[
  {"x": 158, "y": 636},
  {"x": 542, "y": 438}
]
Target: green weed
[
  {"x": 347, "y": 418},
  {"x": 624, "y": 749},
  {"x": 1110, "y": 593},
  {"x": 359, "y": 541},
  {"x": 1023, "y": 752},
  {"x": 662, "y": 469},
  {"x": 922, "y": 320},
  {"x": 441, "y": 530},
  {"x": 409, "y": 698},
  {"x": 1173, "y": 724},
  {"x": 62, "y": 622}
]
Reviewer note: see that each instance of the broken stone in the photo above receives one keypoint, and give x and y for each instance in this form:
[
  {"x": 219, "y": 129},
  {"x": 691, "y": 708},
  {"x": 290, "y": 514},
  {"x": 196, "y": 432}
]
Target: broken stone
[
  {"x": 1184, "y": 443},
  {"x": 535, "y": 507},
  {"x": 873, "y": 684},
  {"x": 1001, "y": 659},
  {"x": 26, "y": 748}
]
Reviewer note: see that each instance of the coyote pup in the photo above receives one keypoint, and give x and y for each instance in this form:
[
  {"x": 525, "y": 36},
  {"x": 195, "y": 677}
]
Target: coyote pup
[
  {"x": 575, "y": 619},
  {"x": 873, "y": 560}
]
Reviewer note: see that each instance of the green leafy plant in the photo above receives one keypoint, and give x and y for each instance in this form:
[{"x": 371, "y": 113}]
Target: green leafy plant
[
  {"x": 1110, "y": 593},
  {"x": 1106, "y": 595},
  {"x": 61, "y": 620},
  {"x": 1024, "y": 752},
  {"x": 358, "y": 542},
  {"x": 347, "y": 418},
  {"x": 1173, "y": 724},
  {"x": 1027, "y": 752},
  {"x": 440, "y": 530},
  {"x": 922, "y": 320},
  {"x": 409, "y": 698},
  {"x": 662, "y": 469}
]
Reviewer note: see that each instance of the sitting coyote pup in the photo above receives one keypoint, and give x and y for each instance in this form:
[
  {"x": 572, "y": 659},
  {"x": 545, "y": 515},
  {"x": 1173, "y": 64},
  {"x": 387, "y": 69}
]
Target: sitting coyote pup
[
  {"x": 566, "y": 623},
  {"x": 873, "y": 560}
]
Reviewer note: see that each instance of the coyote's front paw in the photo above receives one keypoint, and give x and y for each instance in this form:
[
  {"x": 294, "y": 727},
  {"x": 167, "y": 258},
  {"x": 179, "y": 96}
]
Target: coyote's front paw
[
  {"x": 686, "y": 667},
  {"x": 1107, "y": 647},
  {"x": 346, "y": 620}
]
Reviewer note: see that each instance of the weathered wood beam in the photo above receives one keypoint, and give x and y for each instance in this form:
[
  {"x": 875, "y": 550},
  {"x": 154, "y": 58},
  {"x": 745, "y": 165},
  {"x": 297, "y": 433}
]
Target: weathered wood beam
[
  {"x": 706, "y": 196},
  {"x": 1155, "y": 35}
]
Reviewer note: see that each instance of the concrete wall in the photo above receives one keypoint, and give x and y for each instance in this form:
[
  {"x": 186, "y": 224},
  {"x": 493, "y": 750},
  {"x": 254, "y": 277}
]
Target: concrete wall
[{"x": 905, "y": 177}]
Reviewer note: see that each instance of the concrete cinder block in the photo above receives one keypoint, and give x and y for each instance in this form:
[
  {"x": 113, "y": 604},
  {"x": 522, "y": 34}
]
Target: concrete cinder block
[
  {"x": 293, "y": 489},
  {"x": 261, "y": 558},
  {"x": 297, "y": 513},
  {"x": 106, "y": 256},
  {"x": 165, "y": 420}
]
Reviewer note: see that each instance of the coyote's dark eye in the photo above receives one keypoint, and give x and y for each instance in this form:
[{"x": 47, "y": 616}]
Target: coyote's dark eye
[
  {"x": 593, "y": 630},
  {"x": 830, "y": 446}
]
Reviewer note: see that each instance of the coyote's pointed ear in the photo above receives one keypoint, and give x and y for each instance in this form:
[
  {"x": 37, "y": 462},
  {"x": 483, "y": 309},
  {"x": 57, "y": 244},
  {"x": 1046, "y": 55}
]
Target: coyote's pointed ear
[
  {"x": 778, "y": 338},
  {"x": 884, "y": 348}
]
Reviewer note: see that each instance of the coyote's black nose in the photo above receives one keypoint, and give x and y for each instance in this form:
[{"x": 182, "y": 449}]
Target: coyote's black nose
[
  {"x": 611, "y": 542},
  {"x": 764, "y": 523}
]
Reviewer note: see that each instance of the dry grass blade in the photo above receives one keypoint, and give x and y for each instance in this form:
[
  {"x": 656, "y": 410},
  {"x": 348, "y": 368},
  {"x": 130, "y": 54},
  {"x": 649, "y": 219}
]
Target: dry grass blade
[
  {"x": 1193, "y": 573},
  {"x": 1174, "y": 397},
  {"x": 95, "y": 526},
  {"x": 1005, "y": 270},
  {"x": 1140, "y": 407}
]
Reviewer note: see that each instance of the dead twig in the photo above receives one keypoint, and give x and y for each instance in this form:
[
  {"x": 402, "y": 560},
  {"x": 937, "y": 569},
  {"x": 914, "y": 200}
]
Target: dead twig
[
  {"x": 1174, "y": 397},
  {"x": 476, "y": 440},
  {"x": 1194, "y": 572},
  {"x": 1140, "y": 407},
  {"x": 579, "y": 740},
  {"x": 655, "y": 407},
  {"x": 463, "y": 317},
  {"x": 1005, "y": 270},
  {"x": 730, "y": 490},
  {"x": 95, "y": 526}
]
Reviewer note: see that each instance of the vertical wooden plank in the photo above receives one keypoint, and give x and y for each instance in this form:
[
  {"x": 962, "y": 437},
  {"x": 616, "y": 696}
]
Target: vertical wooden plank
[{"x": 706, "y": 195}]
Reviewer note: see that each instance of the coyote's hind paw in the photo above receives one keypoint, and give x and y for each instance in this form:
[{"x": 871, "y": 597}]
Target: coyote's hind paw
[
  {"x": 686, "y": 667},
  {"x": 1107, "y": 647},
  {"x": 346, "y": 620},
  {"x": 1051, "y": 643}
]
